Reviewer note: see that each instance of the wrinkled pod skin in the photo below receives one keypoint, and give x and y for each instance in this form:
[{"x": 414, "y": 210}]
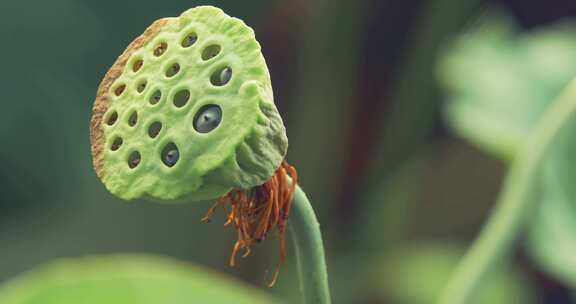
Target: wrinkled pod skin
[{"x": 202, "y": 78}]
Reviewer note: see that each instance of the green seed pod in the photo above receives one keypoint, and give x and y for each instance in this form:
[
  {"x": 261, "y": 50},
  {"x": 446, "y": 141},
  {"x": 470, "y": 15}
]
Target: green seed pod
[{"x": 187, "y": 112}]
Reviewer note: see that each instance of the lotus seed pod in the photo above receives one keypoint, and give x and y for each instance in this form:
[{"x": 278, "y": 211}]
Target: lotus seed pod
[{"x": 187, "y": 112}]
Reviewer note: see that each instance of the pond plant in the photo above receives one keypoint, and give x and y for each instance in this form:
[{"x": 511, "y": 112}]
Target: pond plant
[
  {"x": 186, "y": 113},
  {"x": 517, "y": 103}
]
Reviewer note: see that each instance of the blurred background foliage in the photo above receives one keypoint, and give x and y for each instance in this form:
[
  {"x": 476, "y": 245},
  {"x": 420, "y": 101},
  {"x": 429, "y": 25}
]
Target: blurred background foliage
[
  {"x": 370, "y": 105},
  {"x": 122, "y": 279},
  {"x": 517, "y": 78}
]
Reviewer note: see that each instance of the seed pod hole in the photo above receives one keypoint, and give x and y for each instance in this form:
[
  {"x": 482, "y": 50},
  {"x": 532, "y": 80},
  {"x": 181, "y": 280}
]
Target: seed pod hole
[
  {"x": 133, "y": 119},
  {"x": 181, "y": 98},
  {"x": 207, "y": 118},
  {"x": 116, "y": 144},
  {"x": 170, "y": 155},
  {"x": 141, "y": 86},
  {"x": 155, "y": 97},
  {"x": 112, "y": 118},
  {"x": 160, "y": 49},
  {"x": 119, "y": 89},
  {"x": 221, "y": 76},
  {"x": 154, "y": 129},
  {"x": 210, "y": 52},
  {"x": 173, "y": 70},
  {"x": 189, "y": 40},
  {"x": 137, "y": 65},
  {"x": 134, "y": 159}
]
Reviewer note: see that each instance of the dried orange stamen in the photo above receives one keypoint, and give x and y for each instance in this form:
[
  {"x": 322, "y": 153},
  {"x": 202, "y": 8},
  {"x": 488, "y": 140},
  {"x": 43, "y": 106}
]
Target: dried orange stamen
[{"x": 257, "y": 211}]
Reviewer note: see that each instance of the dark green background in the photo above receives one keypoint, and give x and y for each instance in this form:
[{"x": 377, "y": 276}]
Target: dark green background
[{"x": 354, "y": 83}]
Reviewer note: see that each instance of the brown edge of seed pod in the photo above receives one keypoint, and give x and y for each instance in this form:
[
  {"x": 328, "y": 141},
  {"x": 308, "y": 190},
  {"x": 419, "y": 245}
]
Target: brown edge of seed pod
[{"x": 102, "y": 102}]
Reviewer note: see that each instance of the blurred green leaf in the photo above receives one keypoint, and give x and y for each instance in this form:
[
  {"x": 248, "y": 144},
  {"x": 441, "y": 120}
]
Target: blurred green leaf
[
  {"x": 498, "y": 81},
  {"x": 552, "y": 238},
  {"x": 499, "y": 84},
  {"x": 126, "y": 279},
  {"x": 415, "y": 274}
]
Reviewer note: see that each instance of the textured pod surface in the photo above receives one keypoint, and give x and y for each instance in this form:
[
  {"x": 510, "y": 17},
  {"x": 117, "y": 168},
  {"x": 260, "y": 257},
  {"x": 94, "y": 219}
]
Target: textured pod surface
[{"x": 150, "y": 106}]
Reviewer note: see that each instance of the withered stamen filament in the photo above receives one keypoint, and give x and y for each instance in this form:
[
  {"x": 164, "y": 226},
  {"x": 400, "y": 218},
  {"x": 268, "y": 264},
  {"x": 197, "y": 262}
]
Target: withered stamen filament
[{"x": 257, "y": 211}]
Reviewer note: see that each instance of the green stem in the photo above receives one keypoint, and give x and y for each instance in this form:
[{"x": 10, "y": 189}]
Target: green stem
[
  {"x": 514, "y": 205},
  {"x": 309, "y": 250}
]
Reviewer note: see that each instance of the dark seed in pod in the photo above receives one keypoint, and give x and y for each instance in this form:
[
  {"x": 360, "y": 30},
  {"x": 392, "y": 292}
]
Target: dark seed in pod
[
  {"x": 225, "y": 75},
  {"x": 160, "y": 49},
  {"x": 189, "y": 40},
  {"x": 134, "y": 159},
  {"x": 207, "y": 118},
  {"x": 170, "y": 155},
  {"x": 155, "y": 98}
]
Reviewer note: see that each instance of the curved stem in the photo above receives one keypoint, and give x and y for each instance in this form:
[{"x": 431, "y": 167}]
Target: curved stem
[
  {"x": 309, "y": 250},
  {"x": 514, "y": 205}
]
